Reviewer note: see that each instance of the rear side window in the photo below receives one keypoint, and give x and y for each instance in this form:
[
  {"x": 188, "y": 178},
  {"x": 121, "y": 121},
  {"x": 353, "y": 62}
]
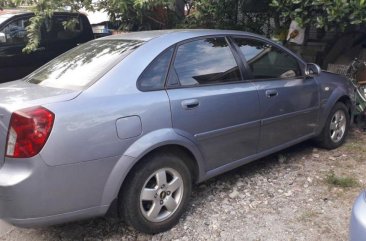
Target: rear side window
[
  {"x": 267, "y": 61},
  {"x": 62, "y": 28},
  {"x": 79, "y": 67},
  {"x": 206, "y": 61},
  {"x": 153, "y": 78}
]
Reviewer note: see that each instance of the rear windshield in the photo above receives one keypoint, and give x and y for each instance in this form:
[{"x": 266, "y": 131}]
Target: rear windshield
[{"x": 81, "y": 66}]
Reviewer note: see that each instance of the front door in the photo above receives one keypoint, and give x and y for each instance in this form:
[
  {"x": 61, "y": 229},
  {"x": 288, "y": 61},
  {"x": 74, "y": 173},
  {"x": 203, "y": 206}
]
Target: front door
[
  {"x": 14, "y": 64},
  {"x": 210, "y": 102},
  {"x": 289, "y": 102}
]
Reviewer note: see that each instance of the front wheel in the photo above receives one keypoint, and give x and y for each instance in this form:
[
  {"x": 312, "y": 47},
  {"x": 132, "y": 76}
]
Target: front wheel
[
  {"x": 156, "y": 193},
  {"x": 336, "y": 127}
]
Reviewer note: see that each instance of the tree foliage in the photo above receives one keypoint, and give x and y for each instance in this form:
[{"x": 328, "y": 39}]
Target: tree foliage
[
  {"x": 143, "y": 14},
  {"x": 249, "y": 15},
  {"x": 6, "y": 3},
  {"x": 324, "y": 14}
]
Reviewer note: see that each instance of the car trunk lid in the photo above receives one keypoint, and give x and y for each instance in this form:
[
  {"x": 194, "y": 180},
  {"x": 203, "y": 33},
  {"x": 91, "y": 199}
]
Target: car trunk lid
[{"x": 17, "y": 95}]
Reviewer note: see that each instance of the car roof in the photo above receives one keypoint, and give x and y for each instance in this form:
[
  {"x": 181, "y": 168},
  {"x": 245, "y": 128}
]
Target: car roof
[
  {"x": 7, "y": 15},
  {"x": 163, "y": 39},
  {"x": 178, "y": 33},
  {"x": 15, "y": 12}
]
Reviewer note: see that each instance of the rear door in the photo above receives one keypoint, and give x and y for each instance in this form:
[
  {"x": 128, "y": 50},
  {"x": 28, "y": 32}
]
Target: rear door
[
  {"x": 289, "y": 102},
  {"x": 211, "y": 103}
]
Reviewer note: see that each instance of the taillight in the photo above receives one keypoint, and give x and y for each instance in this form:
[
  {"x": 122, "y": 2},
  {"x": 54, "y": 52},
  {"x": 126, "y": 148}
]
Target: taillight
[{"x": 28, "y": 131}]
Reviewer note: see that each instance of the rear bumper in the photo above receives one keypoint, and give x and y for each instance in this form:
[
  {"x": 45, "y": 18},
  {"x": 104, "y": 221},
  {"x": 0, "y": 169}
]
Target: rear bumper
[
  {"x": 35, "y": 194},
  {"x": 59, "y": 218},
  {"x": 358, "y": 219}
]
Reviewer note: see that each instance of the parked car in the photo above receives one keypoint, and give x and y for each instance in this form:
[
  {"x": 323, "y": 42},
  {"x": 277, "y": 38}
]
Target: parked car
[
  {"x": 358, "y": 219},
  {"x": 55, "y": 40},
  {"x": 126, "y": 124}
]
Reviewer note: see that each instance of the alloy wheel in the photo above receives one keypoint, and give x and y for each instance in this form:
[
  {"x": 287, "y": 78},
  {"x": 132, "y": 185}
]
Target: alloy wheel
[
  {"x": 338, "y": 126},
  {"x": 161, "y": 195}
]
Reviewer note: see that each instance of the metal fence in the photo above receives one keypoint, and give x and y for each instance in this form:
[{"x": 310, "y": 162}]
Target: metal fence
[{"x": 338, "y": 69}]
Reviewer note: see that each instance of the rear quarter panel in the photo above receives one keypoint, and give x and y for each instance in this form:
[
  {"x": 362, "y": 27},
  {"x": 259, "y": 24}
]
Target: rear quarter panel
[{"x": 85, "y": 128}]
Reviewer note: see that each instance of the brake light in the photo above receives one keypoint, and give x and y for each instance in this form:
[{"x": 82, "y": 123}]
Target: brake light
[{"x": 28, "y": 131}]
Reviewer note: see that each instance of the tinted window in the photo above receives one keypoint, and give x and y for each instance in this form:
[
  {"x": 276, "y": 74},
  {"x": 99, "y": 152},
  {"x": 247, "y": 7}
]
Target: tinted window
[
  {"x": 206, "y": 61},
  {"x": 15, "y": 32},
  {"x": 153, "y": 78},
  {"x": 267, "y": 61},
  {"x": 82, "y": 65},
  {"x": 62, "y": 28}
]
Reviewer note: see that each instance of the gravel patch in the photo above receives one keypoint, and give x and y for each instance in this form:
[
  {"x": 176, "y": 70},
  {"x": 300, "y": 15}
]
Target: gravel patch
[{"x": 285, "y": 196}]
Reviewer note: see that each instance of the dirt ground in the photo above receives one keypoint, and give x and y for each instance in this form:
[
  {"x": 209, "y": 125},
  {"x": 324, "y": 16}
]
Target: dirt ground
[{"x": 302, "y": 193}]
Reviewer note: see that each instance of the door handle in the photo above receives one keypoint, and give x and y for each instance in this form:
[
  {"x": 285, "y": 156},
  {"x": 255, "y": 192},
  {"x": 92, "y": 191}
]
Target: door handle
[
  {"x": 190, "y": 104},
  {"x": 271, "y": 93}
]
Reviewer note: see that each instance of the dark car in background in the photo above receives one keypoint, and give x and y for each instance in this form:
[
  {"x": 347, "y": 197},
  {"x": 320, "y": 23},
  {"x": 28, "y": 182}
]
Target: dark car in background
[{"x": 55, "y": 40}]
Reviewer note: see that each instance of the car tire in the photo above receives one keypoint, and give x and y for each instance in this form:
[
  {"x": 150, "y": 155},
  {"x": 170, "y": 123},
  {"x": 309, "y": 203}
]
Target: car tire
[
  {"x": 156, "y": 193},
  {"x": 336, "y": 127}
]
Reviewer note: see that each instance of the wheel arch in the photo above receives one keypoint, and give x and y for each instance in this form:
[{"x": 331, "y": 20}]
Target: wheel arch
[
  {"x": 148, "y": 145},
  {"x": 180, "y": 150},
  {"x": 338, "y": 96},
  {"x": 346, "y": 100}
]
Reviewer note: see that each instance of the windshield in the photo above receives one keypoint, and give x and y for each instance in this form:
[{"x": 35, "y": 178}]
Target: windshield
[{"x": 81, "y": 66}]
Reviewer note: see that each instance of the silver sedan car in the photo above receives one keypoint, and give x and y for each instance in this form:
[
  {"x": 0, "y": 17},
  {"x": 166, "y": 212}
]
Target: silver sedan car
[
  {"x": 358, "y": 219},
  {"x": 126, "y": 124}
]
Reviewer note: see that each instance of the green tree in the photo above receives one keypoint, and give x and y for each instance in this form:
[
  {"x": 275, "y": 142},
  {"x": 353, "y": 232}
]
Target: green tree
[
  {"x": 6, "y": 3},
  {"x": 324, "y": 14},
  {"x": 249, "y": 15}
]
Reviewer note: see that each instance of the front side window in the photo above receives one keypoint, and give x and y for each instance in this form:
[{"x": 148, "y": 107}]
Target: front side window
[
  {"x": 79, "y": 67},
  {"x": 206, "y": 61},
  {"x": 267, "y": 61},
  {"x": 15, "y": 32}
]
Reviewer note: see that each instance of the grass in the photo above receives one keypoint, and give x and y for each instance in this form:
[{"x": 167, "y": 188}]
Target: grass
[
  {"x": 344, "y": 182},
  {"x": 308, "y": 215},
  {"x": 355, "y": 147}
]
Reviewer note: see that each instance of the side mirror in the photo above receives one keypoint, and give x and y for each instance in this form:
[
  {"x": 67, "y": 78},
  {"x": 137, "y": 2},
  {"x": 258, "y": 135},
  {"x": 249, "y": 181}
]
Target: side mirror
[
  {"x": 2, "y": 38},
  {"x": 312, "y": 70}
]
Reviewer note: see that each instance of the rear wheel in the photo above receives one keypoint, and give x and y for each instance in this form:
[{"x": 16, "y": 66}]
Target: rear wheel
[
  {"x": 156, "y": 193},
  {"x": 336, "y": 127}
]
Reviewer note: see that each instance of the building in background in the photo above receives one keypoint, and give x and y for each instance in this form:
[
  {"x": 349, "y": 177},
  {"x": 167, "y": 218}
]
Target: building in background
[{"x": 100, "y": 23}]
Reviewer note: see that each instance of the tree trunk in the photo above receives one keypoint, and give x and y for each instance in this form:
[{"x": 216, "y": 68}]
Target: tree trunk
[{"x": 179, "y": 8}]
